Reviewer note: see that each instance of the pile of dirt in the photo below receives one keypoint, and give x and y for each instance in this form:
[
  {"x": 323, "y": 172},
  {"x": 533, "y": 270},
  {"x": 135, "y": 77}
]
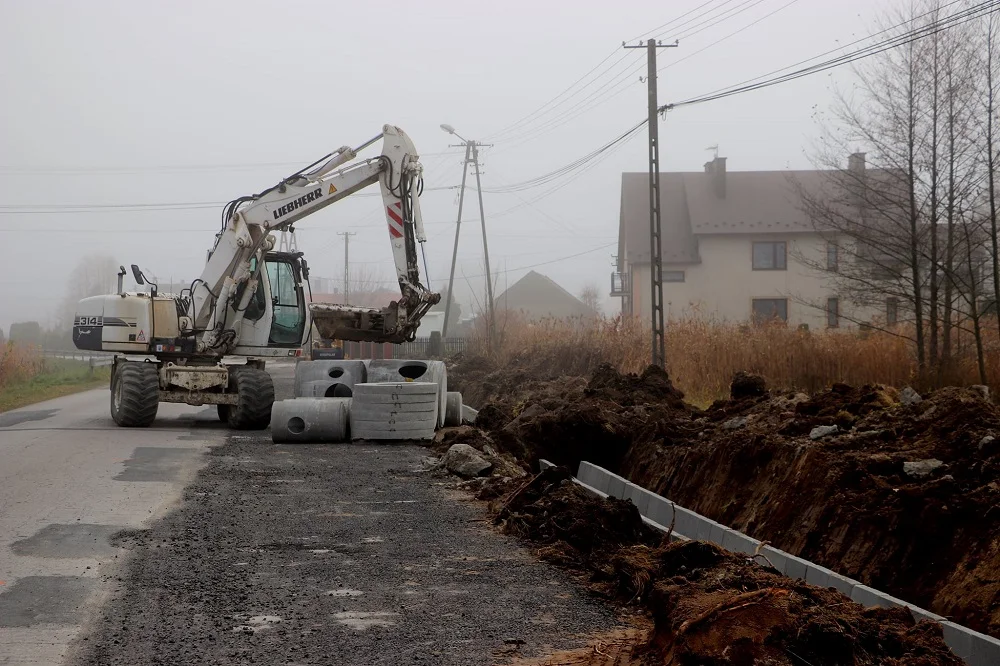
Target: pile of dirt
[
  {"x": 575, "y": 526},
  {"x": 899, "y": 494},
  {"x": 709, "y": 606}
]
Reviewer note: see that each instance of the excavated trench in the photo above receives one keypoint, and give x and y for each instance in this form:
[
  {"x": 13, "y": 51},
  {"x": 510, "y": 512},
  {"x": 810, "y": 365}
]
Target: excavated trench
[{"x": 902, "y": 497}]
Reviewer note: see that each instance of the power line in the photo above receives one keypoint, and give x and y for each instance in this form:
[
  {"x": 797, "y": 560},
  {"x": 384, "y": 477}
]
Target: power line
[
  {"x": 561, "y": 99},
  {"x": 716, "y": 20},
  {"x": 756, "y": 83},
  {"x": 732, "y": 34},
  {"x": 546, "y": 263},
  {"x": 94, "y": 170}
]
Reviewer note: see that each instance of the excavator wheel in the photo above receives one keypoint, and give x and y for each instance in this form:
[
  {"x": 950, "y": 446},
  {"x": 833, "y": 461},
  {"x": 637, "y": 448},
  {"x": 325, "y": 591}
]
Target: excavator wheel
[
  {"x": 256, "y": 395},
  {"x": 135, "y": 394},
  {"x": 223, "y": 413}
]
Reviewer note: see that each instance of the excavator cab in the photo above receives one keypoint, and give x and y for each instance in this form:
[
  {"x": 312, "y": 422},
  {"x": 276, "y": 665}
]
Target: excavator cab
[{"x": 284, "y": 271}]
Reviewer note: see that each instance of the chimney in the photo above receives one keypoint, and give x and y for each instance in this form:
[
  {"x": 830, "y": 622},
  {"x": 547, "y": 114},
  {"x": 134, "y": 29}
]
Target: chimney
[
  {"x": 856, "y": 163},
  {"x": 717, "y": 169}
]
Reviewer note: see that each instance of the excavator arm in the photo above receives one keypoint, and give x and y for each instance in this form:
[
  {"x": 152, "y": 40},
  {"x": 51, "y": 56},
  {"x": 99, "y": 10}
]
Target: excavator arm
[{"x": 218, "y": 304}]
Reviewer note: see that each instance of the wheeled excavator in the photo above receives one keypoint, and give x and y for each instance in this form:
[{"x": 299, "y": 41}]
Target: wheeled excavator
[{"x": 209, "y": 343}]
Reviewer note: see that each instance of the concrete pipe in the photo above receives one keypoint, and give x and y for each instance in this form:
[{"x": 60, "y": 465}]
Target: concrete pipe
[
  {"x": 453, "y": 409},
  {"x": 394, "y": 411},
  {"x": 383, "y": 371},
  {"x": 310, "y": 420},
  {"x": 343, "y": 372},
  {"x": 326, "y": 388}
]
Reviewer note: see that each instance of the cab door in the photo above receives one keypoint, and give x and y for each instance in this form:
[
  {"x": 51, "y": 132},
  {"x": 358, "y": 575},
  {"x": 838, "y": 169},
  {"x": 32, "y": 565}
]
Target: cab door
[{"x": 288, "y": 300}]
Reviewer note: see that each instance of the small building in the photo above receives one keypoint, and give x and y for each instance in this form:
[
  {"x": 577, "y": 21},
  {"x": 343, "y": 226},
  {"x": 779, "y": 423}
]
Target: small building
[{"x": 538, "y": 297}]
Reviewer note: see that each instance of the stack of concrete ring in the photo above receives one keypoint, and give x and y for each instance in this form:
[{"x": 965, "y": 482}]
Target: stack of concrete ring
[{"x": 343, "y": 400}]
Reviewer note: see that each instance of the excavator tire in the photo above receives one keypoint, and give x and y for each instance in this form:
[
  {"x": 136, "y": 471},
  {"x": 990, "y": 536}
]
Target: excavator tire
[
  {"x": 256, "y": 395},
  {"x": 223, "y": 413},
  {"x": 135, "y": 394}
]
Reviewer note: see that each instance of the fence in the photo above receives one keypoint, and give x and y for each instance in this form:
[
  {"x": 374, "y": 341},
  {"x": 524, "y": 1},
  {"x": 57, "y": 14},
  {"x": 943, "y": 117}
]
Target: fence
[{"x": 417, "y": 349}]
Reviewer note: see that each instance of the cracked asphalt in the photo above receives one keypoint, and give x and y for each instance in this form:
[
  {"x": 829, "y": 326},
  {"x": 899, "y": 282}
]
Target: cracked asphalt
[{"x": 332, "y": 554}]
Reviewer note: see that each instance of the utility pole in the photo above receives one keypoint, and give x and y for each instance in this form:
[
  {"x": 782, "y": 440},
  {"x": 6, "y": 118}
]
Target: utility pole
[
  {"x": 454, "y": 252},
  {"x": 486, "y": 249},
  {"x": 347, "y": 259},
  {"x": 471, "y": 148},
  {"x": 655, "y": 249}
]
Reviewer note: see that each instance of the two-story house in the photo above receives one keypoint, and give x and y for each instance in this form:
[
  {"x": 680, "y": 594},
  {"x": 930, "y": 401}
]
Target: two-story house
[{"x": 736, "y": 246}]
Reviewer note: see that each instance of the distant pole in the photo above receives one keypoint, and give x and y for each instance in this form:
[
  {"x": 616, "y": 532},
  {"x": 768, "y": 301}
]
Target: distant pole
[
  {"x": 454, "y": 252},
  {"x": 347, "y": 263},
  {"x": 486, "y": 249},
  {"x": 655, "y": 237}
]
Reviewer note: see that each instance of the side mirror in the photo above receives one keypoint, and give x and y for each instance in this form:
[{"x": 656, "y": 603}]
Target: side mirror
[{"x": 137, "y": 274}]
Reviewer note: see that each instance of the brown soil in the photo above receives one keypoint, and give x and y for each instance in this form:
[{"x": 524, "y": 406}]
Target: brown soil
[
  {"x": 842, "y": 501},
  {"x": 708, "y": 606}
]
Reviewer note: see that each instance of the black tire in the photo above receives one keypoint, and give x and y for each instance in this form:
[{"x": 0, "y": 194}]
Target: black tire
[
  {"x": 223, "y": 413},
  {"x": 255, "y": 391},
  {"x": 135, "y": 394}
]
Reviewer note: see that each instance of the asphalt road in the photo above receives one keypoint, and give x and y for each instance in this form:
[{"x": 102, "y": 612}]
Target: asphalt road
[
  {"x": 69, "y": 478},
  {"x": 239, "y": 551}
]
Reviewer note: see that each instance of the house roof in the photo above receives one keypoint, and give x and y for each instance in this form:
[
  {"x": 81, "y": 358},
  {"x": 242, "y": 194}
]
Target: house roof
[
  {"x": 755, "y": 202},
  {"x": 538, "y": 296}
]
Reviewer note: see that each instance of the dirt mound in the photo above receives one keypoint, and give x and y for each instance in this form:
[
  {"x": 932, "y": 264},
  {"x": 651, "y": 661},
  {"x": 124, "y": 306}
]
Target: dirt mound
[
  {"x": 652, "y": 386},
  {"x": 899, "y": 496},
  {"x": 709, "y": 606},
  {"x": 846, "y": 499},
  {"x": 568, "y": 420},
  {"x": 574, "y": 525},
  {"x": 747, "y": 385}
]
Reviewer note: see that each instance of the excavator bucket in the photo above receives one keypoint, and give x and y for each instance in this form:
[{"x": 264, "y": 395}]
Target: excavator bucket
[{"x": 347, "y": 322}]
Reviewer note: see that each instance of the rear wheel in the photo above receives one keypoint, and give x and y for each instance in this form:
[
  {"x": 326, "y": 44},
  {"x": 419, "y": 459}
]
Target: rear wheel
[
  {"x": 255, "y": 392},
  {"x": 135, "y": 394}
]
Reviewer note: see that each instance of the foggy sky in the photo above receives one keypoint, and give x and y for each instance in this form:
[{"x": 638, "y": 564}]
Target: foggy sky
[{"x": 149, "y": 102}]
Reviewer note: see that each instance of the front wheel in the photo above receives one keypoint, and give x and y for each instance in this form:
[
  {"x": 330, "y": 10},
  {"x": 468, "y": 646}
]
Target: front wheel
[
  {"x": 135, "y": 394},
  {"x": 255, "y": 392}
]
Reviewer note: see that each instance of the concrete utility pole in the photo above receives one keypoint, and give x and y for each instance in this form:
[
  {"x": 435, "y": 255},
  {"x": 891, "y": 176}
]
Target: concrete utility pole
[
  {"x": 454, "y": 252},
  {"x": 471, "y": 148},
  {"x": 347, "y": 263},
  {"x": 655, "y": 248}
]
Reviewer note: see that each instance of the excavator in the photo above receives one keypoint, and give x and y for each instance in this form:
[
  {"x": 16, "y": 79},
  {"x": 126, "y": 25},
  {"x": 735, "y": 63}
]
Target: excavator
[{"x": 209, "y": 343}]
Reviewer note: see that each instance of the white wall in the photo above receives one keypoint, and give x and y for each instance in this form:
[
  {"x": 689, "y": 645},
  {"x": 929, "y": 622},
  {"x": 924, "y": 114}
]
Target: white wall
[{"x": 724, "y": 285}]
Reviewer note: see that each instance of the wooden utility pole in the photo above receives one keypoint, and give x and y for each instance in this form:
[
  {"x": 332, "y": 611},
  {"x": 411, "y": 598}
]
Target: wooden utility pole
[{"x": 655, "y": 248}]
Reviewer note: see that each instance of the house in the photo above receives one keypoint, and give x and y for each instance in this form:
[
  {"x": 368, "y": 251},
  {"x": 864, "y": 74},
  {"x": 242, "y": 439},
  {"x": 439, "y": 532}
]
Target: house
[
  {"x": 538, "y": 297},
  {"x": 736, "y": 246}
]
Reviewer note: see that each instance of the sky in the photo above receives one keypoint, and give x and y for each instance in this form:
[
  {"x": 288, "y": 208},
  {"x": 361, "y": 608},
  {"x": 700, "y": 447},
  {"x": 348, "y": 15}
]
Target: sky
[{"x": 191, "y": 104}]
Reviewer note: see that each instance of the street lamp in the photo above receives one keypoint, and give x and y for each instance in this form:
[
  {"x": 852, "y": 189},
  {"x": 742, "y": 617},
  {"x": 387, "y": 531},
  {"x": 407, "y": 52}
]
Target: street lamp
[{"x": 473, "y": 148}]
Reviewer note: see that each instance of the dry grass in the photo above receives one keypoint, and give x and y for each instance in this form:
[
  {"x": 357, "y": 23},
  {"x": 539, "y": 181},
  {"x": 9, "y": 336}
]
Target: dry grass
[
  {"x": 19, "y": 363},
  {"x": 702, "y": 356}
]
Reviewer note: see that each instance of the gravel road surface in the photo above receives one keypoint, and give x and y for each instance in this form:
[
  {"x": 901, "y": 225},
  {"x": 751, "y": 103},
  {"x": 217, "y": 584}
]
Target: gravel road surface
[{"x": 336, "y": 554}]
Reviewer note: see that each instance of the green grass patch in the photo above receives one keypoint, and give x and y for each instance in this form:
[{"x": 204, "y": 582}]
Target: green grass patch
[{"x": 59, "y": 377}]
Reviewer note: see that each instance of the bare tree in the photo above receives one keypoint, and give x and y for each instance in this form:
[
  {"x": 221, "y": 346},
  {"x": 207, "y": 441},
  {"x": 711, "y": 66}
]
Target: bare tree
[
  {"x": 914, "y": 112},
  {"x": 591, "y": 297},
  {"x": 92, "y": 276}
]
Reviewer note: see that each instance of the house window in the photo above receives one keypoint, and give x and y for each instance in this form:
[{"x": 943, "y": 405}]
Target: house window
[
  {"x": 770, "y": 309},
  {"x": 832, "y": 257},
  {"x": 891, "y": 310},
  {"x": 769, "y": 256},
  {"x": 833, "y": 312},
  {"x": 673, "y": 276}
]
